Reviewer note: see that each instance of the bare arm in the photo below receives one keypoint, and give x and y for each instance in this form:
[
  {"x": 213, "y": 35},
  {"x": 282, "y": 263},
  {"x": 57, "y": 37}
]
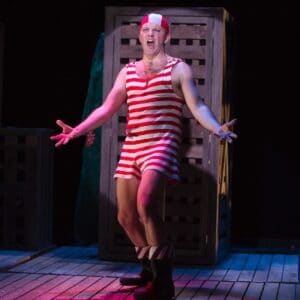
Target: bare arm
[
  {"x": 99, "y": 116},
  {"x": 202, "y": 113}
]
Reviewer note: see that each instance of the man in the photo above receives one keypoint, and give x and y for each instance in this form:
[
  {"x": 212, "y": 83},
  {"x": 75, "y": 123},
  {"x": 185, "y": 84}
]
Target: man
[{"x": 155, "y": 88}]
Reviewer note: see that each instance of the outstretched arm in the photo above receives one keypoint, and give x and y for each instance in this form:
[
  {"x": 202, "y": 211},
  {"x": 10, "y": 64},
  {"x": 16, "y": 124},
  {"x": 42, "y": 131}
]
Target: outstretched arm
[
  {"x": 201, "y": 112},
  {"x": 97, "y": 117}
]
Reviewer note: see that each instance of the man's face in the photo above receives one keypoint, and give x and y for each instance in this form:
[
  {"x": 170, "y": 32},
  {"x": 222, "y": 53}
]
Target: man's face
[{"x": 152, "y": 38}]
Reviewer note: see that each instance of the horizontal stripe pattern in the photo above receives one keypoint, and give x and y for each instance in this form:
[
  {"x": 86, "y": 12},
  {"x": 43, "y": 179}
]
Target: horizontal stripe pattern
[{"x": 154, "y": 127}]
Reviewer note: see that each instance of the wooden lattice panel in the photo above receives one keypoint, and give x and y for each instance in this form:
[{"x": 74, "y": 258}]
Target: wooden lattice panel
[
  {"x": 26, "y": 159},
  {"x": 191, "y": 210}
]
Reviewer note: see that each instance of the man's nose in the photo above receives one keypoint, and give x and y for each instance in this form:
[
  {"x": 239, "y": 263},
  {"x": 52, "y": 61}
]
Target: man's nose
[{"x": 150, "y": 32}]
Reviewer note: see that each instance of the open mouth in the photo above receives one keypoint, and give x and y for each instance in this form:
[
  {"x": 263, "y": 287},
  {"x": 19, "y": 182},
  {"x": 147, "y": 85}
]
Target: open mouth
[{"x": 150, "y": 43}]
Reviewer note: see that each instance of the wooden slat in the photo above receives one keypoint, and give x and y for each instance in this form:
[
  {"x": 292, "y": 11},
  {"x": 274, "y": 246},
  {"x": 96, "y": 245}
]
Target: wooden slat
[
  {"x": 238, "y": 290},
  {"x": 78, "y": 288},
  {"x": 93, "y": 289},
  {"x": 110, "y": 291},
  {"x": 17, "y": 286},
  {"x": 204, "y": 273},
  {"x": 249, "y": 269},
  {"x": 290, "y": 269},
  {"x": 286, "y": 291},
  {"x": 9, "y": 258},
  {"x": 298, "y": 291},
  {"x": 234, "y": 271},
  {"x": 8, "y": 279},
  {"x": 232, "y": 279},
  {"x": 180, "y": 286},
  {"x": 206, "y": 290},
  {"x": 262, "y": 271},
  {"x": 61, "y": 287},
  {"x": 190, "y": 290},
  {"x": 254, "y": 290},
  {"x": 222, "y": 290},
  {"x": 44, "y": 288},
  {"x": 220, "y": 271},
  {"x": 276, "y": 269},
  {"x": 43, "y": 258},
  {"x": 270, "y": 291}
]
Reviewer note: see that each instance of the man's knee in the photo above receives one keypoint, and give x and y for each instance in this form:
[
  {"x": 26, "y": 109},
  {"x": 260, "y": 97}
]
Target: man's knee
[{"x": 127, "y": 220}]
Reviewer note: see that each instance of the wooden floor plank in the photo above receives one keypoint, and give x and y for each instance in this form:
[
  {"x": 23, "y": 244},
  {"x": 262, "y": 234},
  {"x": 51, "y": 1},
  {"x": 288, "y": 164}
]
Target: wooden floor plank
[
  {"x": 44, "y": 260},
  {"x": 44, "y": 288},
  {"x": 17, "y": 284},
  {"x": 110, "y": 291},
  {"x": 270, "y": 291},
  {"x": 77, "y": 289},
  {"x": 291, "y": 268},
  {"x": 10, "y": 258},
  {"x": 263, "y": 267},
  {"x": 93, "y": 289},
  {"x": 189, "y": 273},
  {"x": 250, "y": 267},
  {"x": 190, "y": 290},
  {"x": 239, "y": 260},
  {"x": 220, "y": 270},
  {"x": 180, "y": 286},
  {"x": 276, "y": 268},
  {"x": 8, "y": 278},
  {"x": 71, "y": 263},
  {"x": 77, "y": 273},
  {"x": 254, "y": 291},
  {"x": 100, "y": 269},
  {"x": 221, "y": 291},
  {"x": 297, "y": 297},
  {"x": 206, "y": 290},
  {"x": 287, "y": 291},
  {"x": 62, "y": 287},
  {"x": 204, "y": 273},
  {"x": 237, "y": 291}
]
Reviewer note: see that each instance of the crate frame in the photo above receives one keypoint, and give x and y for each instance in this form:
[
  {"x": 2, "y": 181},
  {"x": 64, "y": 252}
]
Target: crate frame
[
  {"x": 216, "y": 158},
  {"x": 26, "y": 188}
]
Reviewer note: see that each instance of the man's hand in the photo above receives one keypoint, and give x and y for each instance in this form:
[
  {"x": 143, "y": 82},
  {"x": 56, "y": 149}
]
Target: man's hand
[
  {"x": 225, "y": 131},
  {"x": 90, "y": 138},
  {"x": 65, "y": 136}
]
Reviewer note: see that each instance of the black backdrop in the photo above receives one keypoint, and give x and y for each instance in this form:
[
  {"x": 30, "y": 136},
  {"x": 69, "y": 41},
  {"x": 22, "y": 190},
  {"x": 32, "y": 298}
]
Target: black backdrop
[{"x": 48, "y": 51}]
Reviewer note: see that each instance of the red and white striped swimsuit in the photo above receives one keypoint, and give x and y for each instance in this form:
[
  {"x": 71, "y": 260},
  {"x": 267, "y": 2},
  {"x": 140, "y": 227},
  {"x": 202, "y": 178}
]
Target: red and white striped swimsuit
[{"x": 153, "y": 132}]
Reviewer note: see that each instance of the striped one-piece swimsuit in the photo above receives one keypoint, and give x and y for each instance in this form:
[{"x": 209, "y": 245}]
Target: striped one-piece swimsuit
[{"x": 153, "y": 131}]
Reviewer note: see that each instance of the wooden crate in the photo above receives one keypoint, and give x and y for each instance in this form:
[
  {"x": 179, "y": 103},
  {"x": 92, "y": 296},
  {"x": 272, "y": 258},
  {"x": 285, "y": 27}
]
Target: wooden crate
[
  {"x": 26, "y": 171},
  {"x": 197, "y": 211}
]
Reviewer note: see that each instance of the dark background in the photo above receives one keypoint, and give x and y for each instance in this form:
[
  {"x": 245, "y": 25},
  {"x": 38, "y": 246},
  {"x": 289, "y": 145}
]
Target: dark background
[{"x": 48, "y": 51}]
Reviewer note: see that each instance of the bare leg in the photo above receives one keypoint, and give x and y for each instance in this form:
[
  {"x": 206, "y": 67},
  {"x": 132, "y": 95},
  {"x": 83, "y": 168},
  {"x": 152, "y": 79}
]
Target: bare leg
[
  {"x": 130, "y": 221},
  {"x": 150, "y": 201},
  {"x": 127, "y": 211},
  {"x": 150, "y": 197}
]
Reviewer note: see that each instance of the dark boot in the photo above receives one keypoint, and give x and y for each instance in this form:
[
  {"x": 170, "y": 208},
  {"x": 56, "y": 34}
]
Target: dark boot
[
  {"x": 162, "y": 286},
  {"x": 145, "y": 275}
]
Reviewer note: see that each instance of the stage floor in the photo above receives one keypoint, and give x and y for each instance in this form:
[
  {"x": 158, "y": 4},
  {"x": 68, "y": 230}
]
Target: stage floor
[{"x": 72, "y": 272}]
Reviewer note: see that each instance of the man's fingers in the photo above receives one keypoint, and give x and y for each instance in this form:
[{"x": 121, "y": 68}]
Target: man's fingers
[
  {"x": 59, "y": 143},
  {"x": 228, "y": 136},
  {"x": 57, "y": 137},
  {"x": 231, "y": 123},
  {"x": 62, "y": 141},
  {"x": 60, "y": 123},
  {"x": 66, "y": 128},
  {"x": 233, "y": 135}
]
